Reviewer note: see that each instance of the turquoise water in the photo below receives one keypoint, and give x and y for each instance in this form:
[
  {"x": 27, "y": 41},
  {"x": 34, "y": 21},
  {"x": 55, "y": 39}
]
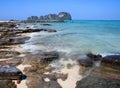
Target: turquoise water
[{"x": 82, "y": 36}]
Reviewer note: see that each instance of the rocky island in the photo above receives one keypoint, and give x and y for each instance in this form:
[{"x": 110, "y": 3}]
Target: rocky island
[{"x": 60, "y": 17}]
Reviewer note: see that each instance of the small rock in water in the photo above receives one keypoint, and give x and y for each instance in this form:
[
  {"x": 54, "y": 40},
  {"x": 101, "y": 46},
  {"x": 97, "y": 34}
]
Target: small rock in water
[
  {"x": 94, "y": 57},
  {"x": 85, "y": 62}
]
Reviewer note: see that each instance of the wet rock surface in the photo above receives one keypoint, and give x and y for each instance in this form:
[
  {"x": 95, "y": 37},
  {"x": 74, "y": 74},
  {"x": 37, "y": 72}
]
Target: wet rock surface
[
  {"x": 8, "y": 54},
  {"x": 95, "y": 81},
  {"x": 105, "y": 75},
  {"x": 46, "y": 24},
  {"x": 7, "y": 84},
  {"x": 85, "y": 62},
  {"x": 94, "y": 57},
  {"x": 112, "y": 60},
  {"x": 9, "y": 72}
]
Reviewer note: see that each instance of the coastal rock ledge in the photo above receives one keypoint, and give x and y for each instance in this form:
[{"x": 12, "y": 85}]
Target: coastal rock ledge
[{"x": 60, "y": 17}]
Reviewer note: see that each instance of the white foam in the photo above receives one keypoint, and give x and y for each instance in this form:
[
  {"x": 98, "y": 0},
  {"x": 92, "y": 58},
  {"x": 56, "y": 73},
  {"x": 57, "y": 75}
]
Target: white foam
[{"x": 106, "y": 54}]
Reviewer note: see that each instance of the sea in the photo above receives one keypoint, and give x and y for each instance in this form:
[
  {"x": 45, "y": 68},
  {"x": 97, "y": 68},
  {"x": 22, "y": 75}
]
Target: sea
[
  {"x": 76, "y": 37},
  {"x": 73, "y": 40}
]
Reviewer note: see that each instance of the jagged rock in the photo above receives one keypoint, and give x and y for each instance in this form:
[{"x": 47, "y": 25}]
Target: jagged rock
[
  {"x": 64, "y": 16},
  {"x": 32, "y": 18},
  {"x": 51, "y": 18}
]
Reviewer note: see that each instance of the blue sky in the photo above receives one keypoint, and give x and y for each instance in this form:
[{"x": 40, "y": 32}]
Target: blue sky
[{"x": 79, "y": 9}]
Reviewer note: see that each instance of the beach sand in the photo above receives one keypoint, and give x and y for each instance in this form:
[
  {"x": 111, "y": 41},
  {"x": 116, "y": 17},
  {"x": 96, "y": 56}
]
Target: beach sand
[
  {"x": 23, "y": 82},
  {"x": 73, "y": 74}
]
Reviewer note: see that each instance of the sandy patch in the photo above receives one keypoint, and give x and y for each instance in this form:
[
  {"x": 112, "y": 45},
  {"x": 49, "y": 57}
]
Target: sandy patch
[
  {"x": 73, "y": 74},
  {"x": 23, "y": 82}
]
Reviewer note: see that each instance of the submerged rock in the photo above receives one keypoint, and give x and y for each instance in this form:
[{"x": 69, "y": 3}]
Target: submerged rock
[
  {"x": 51, "y": 30},
  {"x": 46, "y": 24}
]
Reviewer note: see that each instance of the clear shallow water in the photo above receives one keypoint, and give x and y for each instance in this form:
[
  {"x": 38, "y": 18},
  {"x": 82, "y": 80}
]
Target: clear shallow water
[{"x": 77, "y": 36}]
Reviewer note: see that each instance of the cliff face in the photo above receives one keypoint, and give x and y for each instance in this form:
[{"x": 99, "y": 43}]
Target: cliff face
[{"x": 51, "y": 17}]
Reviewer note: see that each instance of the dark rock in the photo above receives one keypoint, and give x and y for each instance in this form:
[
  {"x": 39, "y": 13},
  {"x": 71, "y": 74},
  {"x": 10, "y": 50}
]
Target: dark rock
[
  {"x": 85, "y": 62},
  {"x": 94, "y": 57},
  {"x": 13, "y": 40},
  {"x": 18, "y": 40},
  {"x": 95, "y": 81},
  {"x": 111, "y": 60},
  {"x": 8, "y": 24},
  {"x": 9, "y": 72},
  {"x": 46, "y": 24},
  {"x": 31, "y": 30},
  {"x": 110, "y": 67},
  {"x": 51, "y": 30}
]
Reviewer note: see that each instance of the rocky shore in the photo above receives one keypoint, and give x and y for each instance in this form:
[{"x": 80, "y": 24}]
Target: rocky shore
[{"x": 34, "y": 70}]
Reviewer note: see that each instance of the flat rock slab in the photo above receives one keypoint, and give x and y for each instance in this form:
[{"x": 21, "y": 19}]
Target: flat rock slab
[
  {"x": 8, "y": 54},
  {"x": 95, "y": 81}
]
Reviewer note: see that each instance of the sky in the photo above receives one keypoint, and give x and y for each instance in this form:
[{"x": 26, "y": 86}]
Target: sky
[{"x": 79, "y": 9}]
